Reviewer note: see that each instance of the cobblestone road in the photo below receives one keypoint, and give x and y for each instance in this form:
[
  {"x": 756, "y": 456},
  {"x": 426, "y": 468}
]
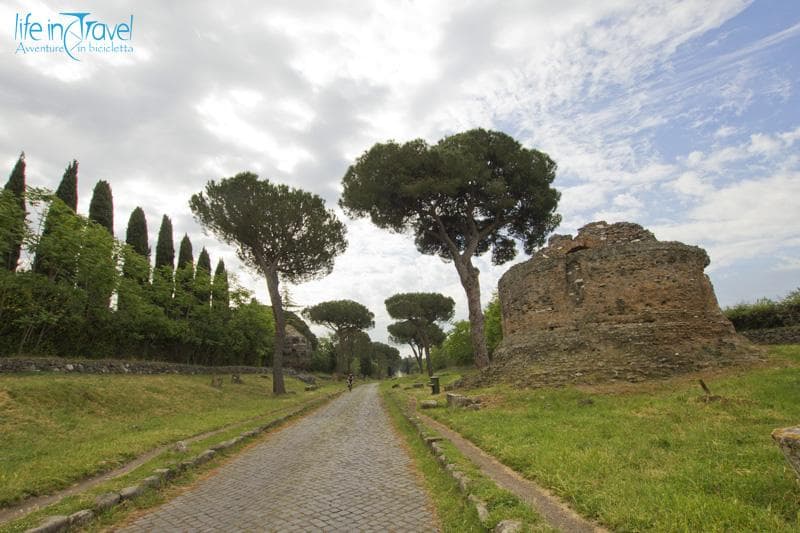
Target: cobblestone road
[{"x": 339, "y": 469}]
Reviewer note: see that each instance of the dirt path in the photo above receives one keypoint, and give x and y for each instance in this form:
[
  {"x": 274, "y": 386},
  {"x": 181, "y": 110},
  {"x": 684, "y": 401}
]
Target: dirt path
[
  {"x": 342, "y": 468},
  {"x": 554, "y": 511}
]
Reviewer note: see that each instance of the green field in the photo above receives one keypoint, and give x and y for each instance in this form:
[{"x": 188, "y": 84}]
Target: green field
[
  {"x": 57, "y": 429},
  {"x": 656, "y": 456}
]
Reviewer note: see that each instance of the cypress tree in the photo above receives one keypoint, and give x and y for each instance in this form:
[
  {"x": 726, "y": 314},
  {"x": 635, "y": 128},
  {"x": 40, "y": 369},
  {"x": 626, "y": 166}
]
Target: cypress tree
[
  {"x": 68, "y": 188},
  {"x": 185, "y": 256},
  {"x": 165, "y": 248},
  {"x": 67, "y": 192},
  {"x": 220, "y": 296},
  {"x": 136, "y": 235},
  {"x": 16, "y": 185},
  {"x": 101, "y": 208},
  {"x": 136, "y": 266},
  {"x": 202, "y": 278},
  {"x": 184, "y": 277},
  {"x": 163, "y": 280}
]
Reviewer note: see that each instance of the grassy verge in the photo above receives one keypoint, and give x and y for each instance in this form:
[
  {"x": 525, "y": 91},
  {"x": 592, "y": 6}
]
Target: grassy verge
[
  {"x": 654, "y": 456},
  {"x": 455, "y": 513},
  {"x": 57, "y": 429},
  {"x": 151, "y": 497}
]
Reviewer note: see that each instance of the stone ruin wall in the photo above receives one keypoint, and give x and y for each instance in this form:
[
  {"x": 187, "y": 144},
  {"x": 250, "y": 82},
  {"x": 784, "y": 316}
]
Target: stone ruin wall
[{"x": 612, "y": 303}]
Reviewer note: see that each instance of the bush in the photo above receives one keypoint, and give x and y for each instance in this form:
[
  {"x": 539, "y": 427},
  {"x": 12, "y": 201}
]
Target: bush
[{"x": 766, "y": 313}]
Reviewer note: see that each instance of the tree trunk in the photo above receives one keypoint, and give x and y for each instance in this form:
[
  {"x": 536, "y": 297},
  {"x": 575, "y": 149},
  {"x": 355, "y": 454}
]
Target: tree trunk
[
  {"x": 428, "y": 360},
  {"x": 417, "y": 356},
  {"x": 280, "y": 331},
  {"x": 469, "y": 280}
]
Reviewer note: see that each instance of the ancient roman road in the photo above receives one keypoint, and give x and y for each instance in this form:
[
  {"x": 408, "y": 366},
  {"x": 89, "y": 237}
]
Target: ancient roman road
[{"x": 342, "y": 468}]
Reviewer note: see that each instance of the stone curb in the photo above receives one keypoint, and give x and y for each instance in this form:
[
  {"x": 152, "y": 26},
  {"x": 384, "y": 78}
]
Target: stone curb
[
  {"x": 463, "y": 481},
  {"x": 161, "y": 476}
]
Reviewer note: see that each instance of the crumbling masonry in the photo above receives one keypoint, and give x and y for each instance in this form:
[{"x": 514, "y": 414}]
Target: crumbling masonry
[{"x": 613, "y": 303}]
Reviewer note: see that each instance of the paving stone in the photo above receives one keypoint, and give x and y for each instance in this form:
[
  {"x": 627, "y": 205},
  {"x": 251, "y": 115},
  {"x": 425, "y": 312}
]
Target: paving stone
[{"x": 339, "y": 469}]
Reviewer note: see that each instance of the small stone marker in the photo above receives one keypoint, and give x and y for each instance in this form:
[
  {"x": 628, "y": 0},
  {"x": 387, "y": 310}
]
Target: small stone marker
[
  {"x": 236, "y": 379},
  {"x": 429, "y": 404},
  {"x": 788, "y": 440},
  {"x": 180, "y": 447}
]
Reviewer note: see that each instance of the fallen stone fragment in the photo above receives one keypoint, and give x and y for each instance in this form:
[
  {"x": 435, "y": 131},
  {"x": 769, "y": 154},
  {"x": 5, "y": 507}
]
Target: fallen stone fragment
[
  {"x": 53, "y": 524},
  {"x": 311, "y": 387},
  {"x": 80, "y": 518},
  {"x": 106, "y": 501},
  {"x": 180, "y": 447},
  {"x": 508, "y": 526},
  {"x": 459, "y": 400},
  {"x": 429, "y": 404},
  {"x": 418, "y": 385}
]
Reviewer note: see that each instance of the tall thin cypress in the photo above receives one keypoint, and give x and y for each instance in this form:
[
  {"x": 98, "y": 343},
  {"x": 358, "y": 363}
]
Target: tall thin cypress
[
  {"x": 101, "y": 208},
  {"x": 202, "y": 278},
  {"x": 185, "y": 255},
  {"x": 68, "y": 188},
  {"x": 16, "y": 185},
  {"x": 165, "y": 247},
  {"x": 184, "y": 277},
  {"x": 67, "y": 192},
  {"x": 164, "y": 271},
  {"x": 220, "y": 296},
  {"x": 136, "y": 235}
]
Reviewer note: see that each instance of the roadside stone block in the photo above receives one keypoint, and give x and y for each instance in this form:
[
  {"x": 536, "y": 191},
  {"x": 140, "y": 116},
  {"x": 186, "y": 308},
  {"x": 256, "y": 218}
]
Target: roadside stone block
[
  {"x": 53, "y": 524},
  {"x": 152, "y": 482},
  {"x": 106, "y": 501},
  {"x": 480, "y": 507},
  {"x": 129, "y": 493},
  {"x": 80, "y": 518},
  {"x": 204, "y": 457}
]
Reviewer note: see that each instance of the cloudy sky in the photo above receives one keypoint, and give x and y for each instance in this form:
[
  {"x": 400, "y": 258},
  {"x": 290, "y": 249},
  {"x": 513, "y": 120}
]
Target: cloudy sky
[{"x": 682, "y": 116}]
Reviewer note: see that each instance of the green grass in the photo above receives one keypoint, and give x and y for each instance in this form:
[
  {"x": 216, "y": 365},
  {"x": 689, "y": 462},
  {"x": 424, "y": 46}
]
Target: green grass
[
  {"x": 653, "y": 457},
  {"x": 501, "y": 504},
  {"x": 57, "y": 429},
  {"x": 454, "y": 513}
]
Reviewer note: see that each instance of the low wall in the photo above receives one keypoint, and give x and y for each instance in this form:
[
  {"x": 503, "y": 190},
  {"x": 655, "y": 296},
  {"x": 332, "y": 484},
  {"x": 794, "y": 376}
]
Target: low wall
[
  {"x": 784, "y": 335},
  {"x": 11, "y": 365}
]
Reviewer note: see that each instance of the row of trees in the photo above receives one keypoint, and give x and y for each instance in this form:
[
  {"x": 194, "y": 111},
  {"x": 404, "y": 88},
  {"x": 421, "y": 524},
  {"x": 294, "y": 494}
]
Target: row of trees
[
  {"x": 83, "y": 293},
  {"x": 468, "y": 194}
]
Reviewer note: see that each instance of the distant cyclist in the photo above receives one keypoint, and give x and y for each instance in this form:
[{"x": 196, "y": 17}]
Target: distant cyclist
[{"x": 350, "y": 381}]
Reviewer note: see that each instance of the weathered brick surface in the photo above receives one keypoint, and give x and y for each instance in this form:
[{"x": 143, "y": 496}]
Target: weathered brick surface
[
  {"x": 611, "y": 303},
  {"x": 339, "y": 469}
]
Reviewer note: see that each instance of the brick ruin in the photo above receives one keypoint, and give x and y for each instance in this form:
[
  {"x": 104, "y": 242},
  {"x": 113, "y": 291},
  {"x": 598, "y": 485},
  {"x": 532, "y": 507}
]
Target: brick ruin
[
  {"x": 297, "y": 350},
  {"x": 612, "y": 303}
]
